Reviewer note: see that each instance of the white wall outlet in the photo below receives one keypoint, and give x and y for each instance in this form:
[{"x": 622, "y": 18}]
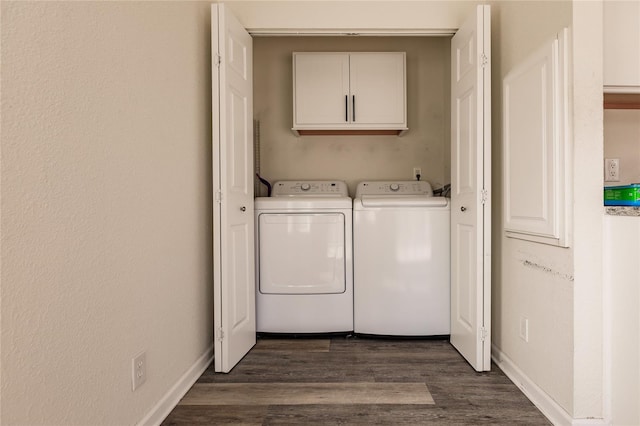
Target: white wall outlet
[
  {"x": 612, "y": 170},
  {"x": 139, "y": 370},
  {"x": 524, "y": 329},
  {"x": 417, "y": 171}
]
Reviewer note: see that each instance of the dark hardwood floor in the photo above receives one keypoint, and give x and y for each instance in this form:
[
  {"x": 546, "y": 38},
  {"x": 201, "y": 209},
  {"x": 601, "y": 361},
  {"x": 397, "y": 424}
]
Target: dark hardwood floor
[{"x": 342, "y": 381}]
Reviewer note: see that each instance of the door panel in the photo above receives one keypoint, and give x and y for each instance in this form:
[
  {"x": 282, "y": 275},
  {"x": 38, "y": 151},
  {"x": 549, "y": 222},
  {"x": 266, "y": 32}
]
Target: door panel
[
  {"x": 240, "y": 315},
  {"x": 535, "y": 154},
  {"x": 234, "y": 276},
  {"x": 466, "y": 149},
  {"x": 470, "y": 206},
  {"x": 237, "y": 146},
  {"x": 465, "y": 295}
]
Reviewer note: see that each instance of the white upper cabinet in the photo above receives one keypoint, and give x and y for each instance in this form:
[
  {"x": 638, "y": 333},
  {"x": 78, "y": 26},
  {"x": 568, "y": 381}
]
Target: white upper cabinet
[
  {"x": 622, "y": 46},
  {"x": 349, "y": 92}
]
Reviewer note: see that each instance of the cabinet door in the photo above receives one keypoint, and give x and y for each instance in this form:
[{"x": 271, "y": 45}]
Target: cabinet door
[
  {"x": 378, "y": 88},
  {"x": 535, "y": 154},
  {"x": 622, "y": 46},
  {"x": 321, "y": 88}
]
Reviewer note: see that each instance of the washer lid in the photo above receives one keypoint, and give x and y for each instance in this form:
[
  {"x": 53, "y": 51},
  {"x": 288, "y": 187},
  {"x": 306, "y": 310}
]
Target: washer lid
[
  {"x": 310, "y": 188},
  {"x": 411, "y": 188}
]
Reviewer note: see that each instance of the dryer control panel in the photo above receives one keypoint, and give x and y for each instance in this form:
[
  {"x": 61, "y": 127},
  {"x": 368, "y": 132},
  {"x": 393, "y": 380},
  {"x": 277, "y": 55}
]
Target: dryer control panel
[
  {"x": 312, "y": 188},
  {"x": 390, "y": 188}
]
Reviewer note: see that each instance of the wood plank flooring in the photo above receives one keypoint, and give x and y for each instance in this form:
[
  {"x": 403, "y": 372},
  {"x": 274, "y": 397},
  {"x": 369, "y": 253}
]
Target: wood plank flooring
[
  {"x": 307, "y": 393},
  {"x": 354, "y": 381}
]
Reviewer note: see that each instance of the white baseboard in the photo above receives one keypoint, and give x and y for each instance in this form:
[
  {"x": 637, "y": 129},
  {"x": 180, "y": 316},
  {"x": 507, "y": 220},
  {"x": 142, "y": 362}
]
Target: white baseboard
[
  {"x": 167, "y": 403},
  {"x": 589, "y": 422},
  {"x": 552, "y": 411}
]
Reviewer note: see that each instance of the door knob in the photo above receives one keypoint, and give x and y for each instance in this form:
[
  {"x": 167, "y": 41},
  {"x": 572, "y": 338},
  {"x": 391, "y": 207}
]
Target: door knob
[
  {"x": 243, "y": 209},
  {"x": 463, "y": 208}
]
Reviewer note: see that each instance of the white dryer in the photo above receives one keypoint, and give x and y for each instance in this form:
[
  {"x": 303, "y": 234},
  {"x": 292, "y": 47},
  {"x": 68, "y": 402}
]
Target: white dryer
[
  {"x": 304, "y": 266},
  {"x": 401, "y": 260}
]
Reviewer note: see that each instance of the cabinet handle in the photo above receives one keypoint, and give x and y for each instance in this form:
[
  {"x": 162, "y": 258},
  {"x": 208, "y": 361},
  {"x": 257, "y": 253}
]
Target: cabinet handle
[
  {"x": 346, "y": 108},
  {"x": 354, "y": 108}
]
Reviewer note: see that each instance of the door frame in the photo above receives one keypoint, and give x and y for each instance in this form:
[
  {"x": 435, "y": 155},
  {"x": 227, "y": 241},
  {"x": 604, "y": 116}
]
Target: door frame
[{"x": 415, "y": 32}]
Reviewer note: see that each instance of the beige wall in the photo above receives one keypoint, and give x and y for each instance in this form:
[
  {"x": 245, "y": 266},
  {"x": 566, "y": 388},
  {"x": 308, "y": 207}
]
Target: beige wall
[
  {"x": 355, "y": 158},
  {"x": 558, "y": 290},
  {"x": 106, "y": 206},
  {"x": 587, "y": 216},
  {"x": 622, "y": 140},
  {"x": 530, "y": 280}
]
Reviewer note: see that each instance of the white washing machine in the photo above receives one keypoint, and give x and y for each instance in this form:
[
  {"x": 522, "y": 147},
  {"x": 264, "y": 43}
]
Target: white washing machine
[
  {"x": 304, "y": 264},
  {"x": 401, "y": 259}
]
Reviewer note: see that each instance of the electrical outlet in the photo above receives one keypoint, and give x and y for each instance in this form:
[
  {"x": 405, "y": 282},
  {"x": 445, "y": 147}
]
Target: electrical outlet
[
  {"x": 417, "y": 171},
  {"x": 139, "y": 370},
  {"x": 611, "y": 170},
  {"x": 524, "y": 329}
]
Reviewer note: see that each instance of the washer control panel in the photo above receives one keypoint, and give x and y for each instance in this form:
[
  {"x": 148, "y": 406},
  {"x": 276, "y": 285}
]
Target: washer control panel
[
  {"x": 312, "y": 188},
  {"x": 390, "y": 188}
]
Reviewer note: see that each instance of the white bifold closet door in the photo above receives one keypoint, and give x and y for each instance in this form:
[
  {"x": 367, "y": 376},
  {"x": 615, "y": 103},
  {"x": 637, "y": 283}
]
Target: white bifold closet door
[{"x": 233, "y": 217}]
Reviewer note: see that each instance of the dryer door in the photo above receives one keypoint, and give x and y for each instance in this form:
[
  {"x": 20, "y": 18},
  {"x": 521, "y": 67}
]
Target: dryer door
[{"x": 301, "y": 253}]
